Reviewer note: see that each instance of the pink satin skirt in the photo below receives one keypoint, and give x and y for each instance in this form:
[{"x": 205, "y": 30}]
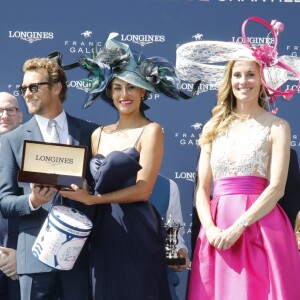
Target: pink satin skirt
[{"x": 264, "y": 264}]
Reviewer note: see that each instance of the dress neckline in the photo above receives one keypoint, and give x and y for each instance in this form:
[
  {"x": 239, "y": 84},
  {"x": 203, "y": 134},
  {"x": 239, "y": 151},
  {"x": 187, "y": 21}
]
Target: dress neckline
[
  {"x": 124, "y": 150},
  {"x": 135, "y": 144}
]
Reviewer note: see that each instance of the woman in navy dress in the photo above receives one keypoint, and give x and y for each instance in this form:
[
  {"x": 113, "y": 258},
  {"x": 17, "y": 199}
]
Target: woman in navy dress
[{"x": 128, "y": 240}]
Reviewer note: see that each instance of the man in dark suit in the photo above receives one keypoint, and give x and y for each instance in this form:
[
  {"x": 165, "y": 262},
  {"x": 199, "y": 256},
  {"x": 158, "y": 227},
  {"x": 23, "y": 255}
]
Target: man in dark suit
[
  {"x": 44, "y": 89},
  {"x": 10, "y": 118}
]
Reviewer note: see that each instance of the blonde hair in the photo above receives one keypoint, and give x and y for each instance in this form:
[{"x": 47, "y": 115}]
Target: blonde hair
[{"x": 223, "y": 113}]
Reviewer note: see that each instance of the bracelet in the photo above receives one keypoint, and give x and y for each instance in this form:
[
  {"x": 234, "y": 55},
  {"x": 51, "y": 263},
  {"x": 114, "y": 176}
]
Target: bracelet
[
  {"x": 206, "y": 227},
  {"x": 244, "y": 223}
]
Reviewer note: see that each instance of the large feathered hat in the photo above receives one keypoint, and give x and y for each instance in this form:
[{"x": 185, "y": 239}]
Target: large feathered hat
[{"x": 116, "y": 60}]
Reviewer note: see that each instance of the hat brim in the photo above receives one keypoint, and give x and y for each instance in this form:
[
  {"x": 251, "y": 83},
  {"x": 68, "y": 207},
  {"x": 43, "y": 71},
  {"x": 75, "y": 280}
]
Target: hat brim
[{"x": 135, "y": 79}]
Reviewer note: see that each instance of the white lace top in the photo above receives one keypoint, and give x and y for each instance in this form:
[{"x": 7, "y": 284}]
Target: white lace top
[{"x": 244, "y": 148}]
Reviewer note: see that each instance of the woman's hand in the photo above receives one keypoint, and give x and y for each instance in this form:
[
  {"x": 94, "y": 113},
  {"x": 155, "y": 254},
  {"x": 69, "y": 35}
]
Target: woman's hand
[
  {"x": 227, "y": 237},
  {"x": 81, "y": 195},
  {"x": 213, "y": 234}
]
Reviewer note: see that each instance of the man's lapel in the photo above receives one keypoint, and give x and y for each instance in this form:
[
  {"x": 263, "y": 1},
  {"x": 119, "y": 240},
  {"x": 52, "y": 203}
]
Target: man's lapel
[
  {"x": 32, "y": 131},
  {"x": 74, "y": 131}
]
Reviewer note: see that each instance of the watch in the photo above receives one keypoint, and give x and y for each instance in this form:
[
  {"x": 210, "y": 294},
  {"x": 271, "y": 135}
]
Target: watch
[{"x": 244, "y": 223}]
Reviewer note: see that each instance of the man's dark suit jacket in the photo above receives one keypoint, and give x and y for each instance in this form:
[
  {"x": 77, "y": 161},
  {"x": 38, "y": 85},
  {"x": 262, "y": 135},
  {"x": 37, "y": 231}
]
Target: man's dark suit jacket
[
  {"x": 9, "y": 289},
  {"x": 14, "y": 195}
]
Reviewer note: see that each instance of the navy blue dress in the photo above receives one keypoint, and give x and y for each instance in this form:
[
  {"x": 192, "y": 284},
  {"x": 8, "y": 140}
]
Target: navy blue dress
[{"x": 127, "y": 243}]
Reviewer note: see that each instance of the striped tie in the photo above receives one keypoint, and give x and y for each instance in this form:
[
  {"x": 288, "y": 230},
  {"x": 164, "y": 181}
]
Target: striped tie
[{"x": 54, "y": 138}]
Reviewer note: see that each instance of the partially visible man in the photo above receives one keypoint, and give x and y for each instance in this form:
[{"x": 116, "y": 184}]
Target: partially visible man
[
  {"x": 44, "y": 89},
  {"x": 10, "y": 114},
  {"x": 165, "y": 197},
  {"x": 290, "y": 202},
  {"x": 10, "y": 118}
]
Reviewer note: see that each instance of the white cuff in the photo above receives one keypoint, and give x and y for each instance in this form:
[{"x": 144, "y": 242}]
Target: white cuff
[{"x": 30, "y": 205}]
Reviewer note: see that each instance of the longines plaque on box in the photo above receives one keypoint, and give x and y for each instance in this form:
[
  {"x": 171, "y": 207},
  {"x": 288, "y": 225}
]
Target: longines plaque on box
[{"x": 51, "y": 164}]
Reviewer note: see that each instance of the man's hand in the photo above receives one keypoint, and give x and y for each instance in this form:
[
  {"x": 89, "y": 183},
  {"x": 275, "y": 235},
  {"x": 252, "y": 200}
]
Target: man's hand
[
  {"x": 41, "y": 194},
  {"x": 183, "y": 254},
  {"x": 8, "y": 263}
]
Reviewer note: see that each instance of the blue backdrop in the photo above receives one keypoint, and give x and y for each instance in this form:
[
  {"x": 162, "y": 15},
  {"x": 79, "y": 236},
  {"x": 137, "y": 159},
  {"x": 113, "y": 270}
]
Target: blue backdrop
[{"x": 156, "y": 27}]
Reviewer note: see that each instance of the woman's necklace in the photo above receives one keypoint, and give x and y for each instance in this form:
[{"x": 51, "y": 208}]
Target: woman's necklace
[
  {"x": 247, "y": 117},
  {"x": 116, "y": 128}
]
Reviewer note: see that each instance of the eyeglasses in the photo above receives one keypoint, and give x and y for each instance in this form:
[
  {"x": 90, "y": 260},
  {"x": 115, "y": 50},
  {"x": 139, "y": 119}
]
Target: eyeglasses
[
  {"x": 11, "y": 111},
  {"x": 33, "y": 88}
]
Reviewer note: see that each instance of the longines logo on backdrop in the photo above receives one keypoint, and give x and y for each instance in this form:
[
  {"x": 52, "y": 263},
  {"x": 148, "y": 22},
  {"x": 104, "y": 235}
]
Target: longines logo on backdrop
[
  {"x": 189, "y": 176},
  {"x": 189, "y": 137},
  {"x": 30, "y": 36},
  {"x": 79, "y": 85},
  {"x": 255, "y": 41},
  {"x": 142, "y": 39},
  {"x": 293, "y": 87},
  {"x": 203, "y": 87}
]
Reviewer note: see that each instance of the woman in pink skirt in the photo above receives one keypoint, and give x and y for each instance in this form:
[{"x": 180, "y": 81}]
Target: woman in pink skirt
[{"x": 246, "y": 248}]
